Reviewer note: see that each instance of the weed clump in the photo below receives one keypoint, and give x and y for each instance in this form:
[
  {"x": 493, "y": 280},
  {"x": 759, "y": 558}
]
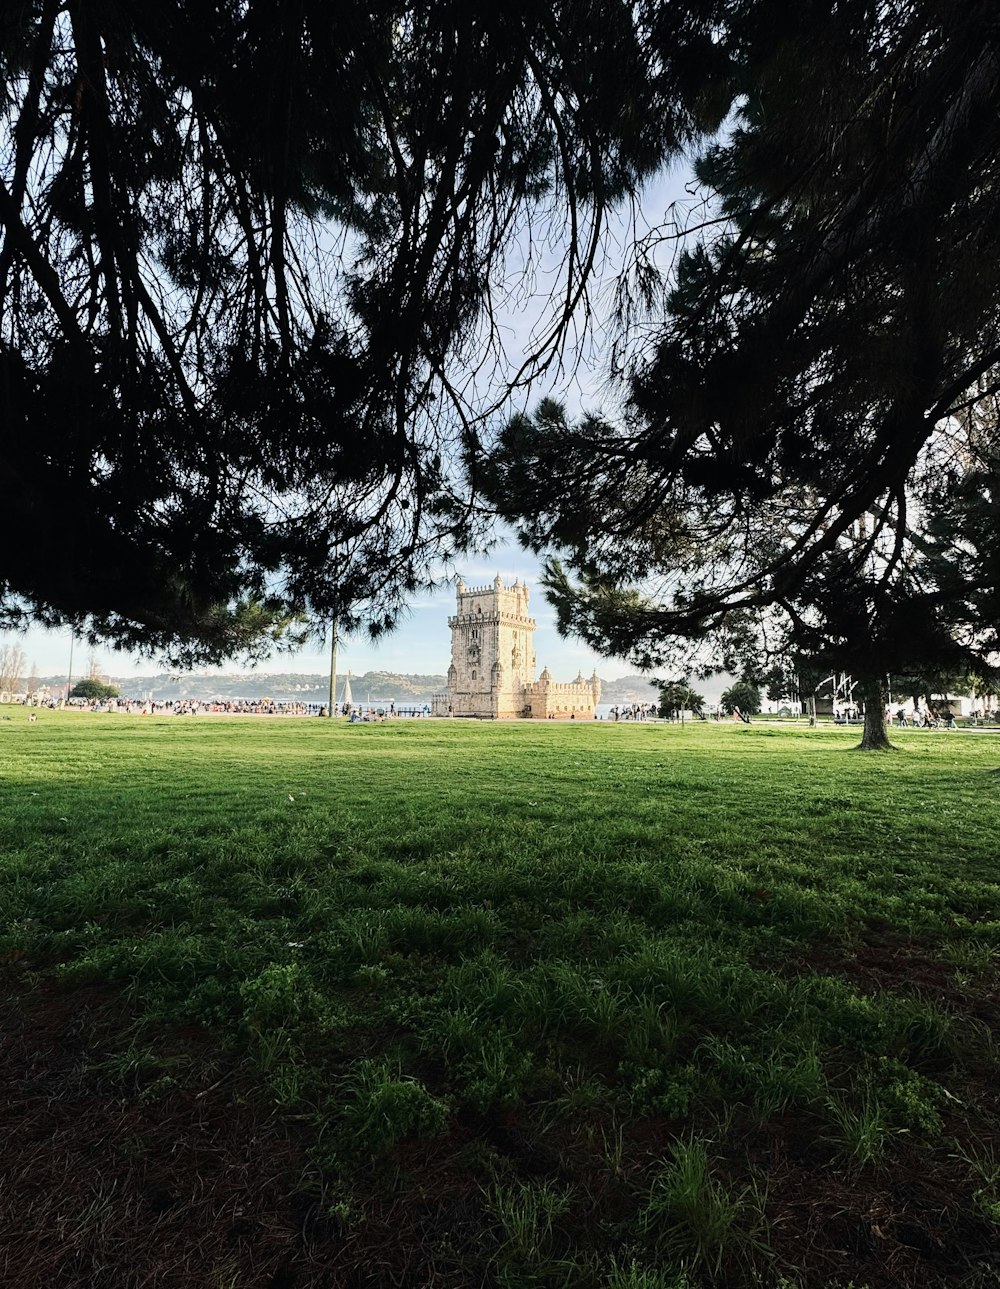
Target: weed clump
[
  {"x": 381, "y": 1107},
  {"x": 690, "y": 1216}
]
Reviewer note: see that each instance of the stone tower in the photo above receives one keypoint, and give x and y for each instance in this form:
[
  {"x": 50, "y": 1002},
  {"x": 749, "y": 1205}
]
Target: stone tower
[
  {"x": 492, "y": 672},
  {"x": 492, "y": 651}
]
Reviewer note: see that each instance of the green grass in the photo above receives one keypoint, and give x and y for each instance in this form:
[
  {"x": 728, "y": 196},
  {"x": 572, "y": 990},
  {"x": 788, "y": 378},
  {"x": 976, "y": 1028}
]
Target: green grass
[{"x": 637, "y": 948}]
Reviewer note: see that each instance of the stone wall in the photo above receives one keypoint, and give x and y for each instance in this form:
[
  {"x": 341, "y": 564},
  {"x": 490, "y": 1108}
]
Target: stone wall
[{"x": 548, "y": 699}]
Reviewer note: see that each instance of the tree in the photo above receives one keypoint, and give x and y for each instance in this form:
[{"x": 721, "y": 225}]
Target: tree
[
  {"x": 791, "y": 678},
  {"x": 677, "y": 696},
  {"x": 778, "y": 470},
  {"x": 744, "y": 695},
  {"x": 12, "y": 660},
  {"x": 252, "y": 256},
  {"x": 91, "y": 688},
  {"x": 653, "y": 557}
]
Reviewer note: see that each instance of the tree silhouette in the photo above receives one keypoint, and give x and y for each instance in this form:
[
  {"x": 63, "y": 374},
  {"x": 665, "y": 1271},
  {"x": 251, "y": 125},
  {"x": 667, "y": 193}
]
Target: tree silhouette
[
  {"x": 251, "y": 259},
  {"x": 795, "y": 428}
]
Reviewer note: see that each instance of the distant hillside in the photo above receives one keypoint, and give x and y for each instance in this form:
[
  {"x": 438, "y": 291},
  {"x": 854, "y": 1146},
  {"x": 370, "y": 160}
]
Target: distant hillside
[
  {"x": 281, "y": 686},
  {"x": 628, "y": 689}
]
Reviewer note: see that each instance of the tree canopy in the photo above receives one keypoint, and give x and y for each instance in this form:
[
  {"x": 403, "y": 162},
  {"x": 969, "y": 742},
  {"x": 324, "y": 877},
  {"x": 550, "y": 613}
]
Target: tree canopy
[
  {"x": 90, "y": 687},
  {"x": 678, "y": 696},
  {"x": 742, "y": 696},
  {"x": 251, "y": 257},
  {"x": 796, "y": 469}
]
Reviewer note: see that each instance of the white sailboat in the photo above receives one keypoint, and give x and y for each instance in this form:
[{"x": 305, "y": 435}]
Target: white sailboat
[{"x": 346, "y": 698}]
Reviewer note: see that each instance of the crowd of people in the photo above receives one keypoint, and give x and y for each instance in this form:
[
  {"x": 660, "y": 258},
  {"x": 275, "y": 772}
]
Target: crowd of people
[
  {"x": 193, "y": 706},
  {"x": 902, "y": 717},
  {"x": 356, "y": 714},
  {"x": 242, "y": 707},
  {"x": 931, "y": 719},
  {"x": 634, "y": 712}
]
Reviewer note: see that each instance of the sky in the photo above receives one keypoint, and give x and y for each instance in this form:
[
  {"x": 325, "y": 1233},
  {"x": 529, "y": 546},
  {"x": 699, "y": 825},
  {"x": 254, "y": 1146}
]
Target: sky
[{"x": 421, "y": 642}]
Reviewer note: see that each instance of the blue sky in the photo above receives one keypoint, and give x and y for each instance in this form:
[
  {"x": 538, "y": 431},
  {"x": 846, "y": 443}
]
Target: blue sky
[{"x": 421, "y": 643}]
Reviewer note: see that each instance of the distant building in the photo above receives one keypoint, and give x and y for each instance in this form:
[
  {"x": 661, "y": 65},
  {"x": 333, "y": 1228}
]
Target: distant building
[{"x": 492, "y": 672}]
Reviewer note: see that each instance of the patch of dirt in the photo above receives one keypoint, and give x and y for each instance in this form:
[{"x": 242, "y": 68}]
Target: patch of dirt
[
  {"x": 905, "y": 1226},
  {"x": 120, "y": 1183},
  {"x": 887, "y": 963},
  {"x": 103, "y": 1186},
  {"x": 111, "y": 1183},
  {"x": 915, "y": 1222}
]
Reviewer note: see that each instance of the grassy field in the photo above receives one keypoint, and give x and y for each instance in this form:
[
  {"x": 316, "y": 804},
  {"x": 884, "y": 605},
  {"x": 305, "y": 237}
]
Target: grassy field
[{"x": 428, "y": 1003}]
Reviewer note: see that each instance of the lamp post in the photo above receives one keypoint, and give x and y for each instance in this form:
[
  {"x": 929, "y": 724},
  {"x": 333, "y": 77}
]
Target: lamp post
[
  {"x": 333, "y": 667},
  {"x": 69, "y": 678}
]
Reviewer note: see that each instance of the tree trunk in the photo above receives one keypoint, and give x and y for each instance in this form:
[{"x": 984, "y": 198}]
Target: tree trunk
[{"x": 875, "y": 737}]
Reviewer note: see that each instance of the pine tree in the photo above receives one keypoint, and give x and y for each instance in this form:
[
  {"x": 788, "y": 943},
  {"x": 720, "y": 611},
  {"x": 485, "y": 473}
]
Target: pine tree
[
  {"x": 251, "y": 256},
  {"x": 775, "y": 483}
]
